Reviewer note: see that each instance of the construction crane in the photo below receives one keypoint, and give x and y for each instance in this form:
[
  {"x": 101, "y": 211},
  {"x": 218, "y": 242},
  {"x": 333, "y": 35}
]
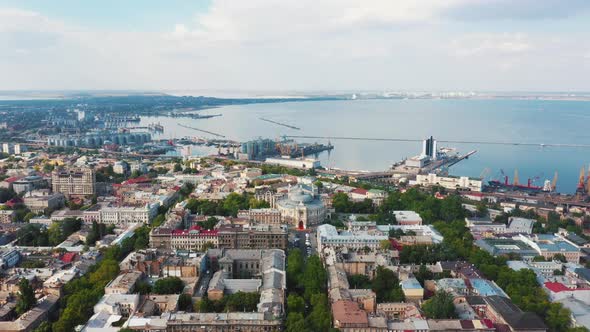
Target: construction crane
[
  {"x": 484, "y": 173},
  {"x": 581, "y": 182}
]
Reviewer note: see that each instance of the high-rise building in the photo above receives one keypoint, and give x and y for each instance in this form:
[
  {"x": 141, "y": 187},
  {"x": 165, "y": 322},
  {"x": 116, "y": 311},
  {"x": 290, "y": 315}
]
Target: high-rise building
[
  {"x": 429, "y": 148},
  {"x": 74, "y": 182}
]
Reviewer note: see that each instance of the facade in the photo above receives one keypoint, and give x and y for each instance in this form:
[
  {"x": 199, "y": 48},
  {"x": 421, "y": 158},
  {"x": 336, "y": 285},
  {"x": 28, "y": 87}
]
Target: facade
[
  {"x": 412, "y": 289},
  {"x": 263, "y": 216},
  {"x": 210, "y": 322},
  {"x": 10, "y": 148},
  {"x": 498, "y": 247},
  {"x": 98, "y": 139},
  {"x": 118, "y": 304},
  {"x": 194, "y": 238},
  {"x": 448, "y": 182},
  {"x": 28, "y": 183},
  {"x": 7, "y": 216},
  {"x": 253, "y": 237},
  {"x": 549, "y": 245},
  {"x": 121, "y": 167},
  {"x": 302, "y": 208},
  {"x": 251, "y": 270},
  {"x": 75, "y": 182},
  {"x": 407, "y": 218},
  {"x": 124, "y": 283},
  {"x": 39, "y": 201},
  {"x": 305, "y": 163},
  {"x": 125, "y": 214},
  {"x": 328, "y": 236},
  {"x": 9, "y": 258}
]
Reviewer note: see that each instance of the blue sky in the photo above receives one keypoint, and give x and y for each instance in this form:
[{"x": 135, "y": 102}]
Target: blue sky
[
  {"x": 145, "y": 15},
  {"x": 499, "y": 45}
]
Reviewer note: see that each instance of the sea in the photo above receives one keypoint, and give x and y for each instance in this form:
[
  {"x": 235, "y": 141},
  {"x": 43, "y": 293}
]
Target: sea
[{"x": 541, "y": 122}]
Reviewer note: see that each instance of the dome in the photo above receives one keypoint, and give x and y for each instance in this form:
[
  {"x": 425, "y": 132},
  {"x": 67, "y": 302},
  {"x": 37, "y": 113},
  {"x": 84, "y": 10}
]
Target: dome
[{"x": 299, "y": 196}]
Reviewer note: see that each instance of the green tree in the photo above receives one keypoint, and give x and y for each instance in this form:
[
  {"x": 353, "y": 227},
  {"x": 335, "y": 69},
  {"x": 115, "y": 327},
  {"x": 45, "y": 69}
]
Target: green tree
[
  {"x": 557, "y": 317},
  {"x": 168, "y": 285},
  {"x": 185, "y": 302},
  {"x": 203, "y": 305},
  {"x": 440, "y": 306},
  {"x": 143, "y": 287},
  {"x": 26, "y": 297},
  {"x": 386, "y": 286},
  {"x": 481, "y": 209},
  {"x": 209, "y": 223},
  {"x": 359, "y": 281},
  {"x": 29, "y": 216},
  {"x": 296, "y": 323},
  {"x": 158, "y": 220},
  {"x": 385, "y": 244},
  {"x": 423, "y": 274},
  {"x": 315, "y": 277},
  {"x": 295, "y": 303},
  {"x": 295, "y": 267},
  {"x": 258, "y": 204},
  {"x": 320, "y": 318},
  {"x": 341, "y": 202}
]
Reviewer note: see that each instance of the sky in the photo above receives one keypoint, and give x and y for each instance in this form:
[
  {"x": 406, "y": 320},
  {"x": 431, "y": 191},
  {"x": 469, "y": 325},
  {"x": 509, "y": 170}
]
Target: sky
[{"x": 295, "y": 45}]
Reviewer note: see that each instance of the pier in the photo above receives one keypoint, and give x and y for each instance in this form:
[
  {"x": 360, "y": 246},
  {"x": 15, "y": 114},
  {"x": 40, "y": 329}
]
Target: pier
[
  {"x": 201, "y": 130},
  {"x": 280, "y": 124},
  {"x": 569, "y": 145},
  {"x": 458, "y": 159}
]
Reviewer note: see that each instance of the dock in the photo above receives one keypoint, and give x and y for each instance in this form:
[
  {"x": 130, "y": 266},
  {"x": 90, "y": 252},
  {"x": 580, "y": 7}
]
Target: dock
[
  {"x": 458, "y": 159},
  {"x": 280, "y": 123},
  {"x": 384, "y": 139},
  {"x": 201, "y": 130}
]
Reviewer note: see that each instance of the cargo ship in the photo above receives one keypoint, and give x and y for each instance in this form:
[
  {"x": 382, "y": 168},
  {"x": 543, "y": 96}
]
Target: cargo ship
[{"x": 499, "y": 185}]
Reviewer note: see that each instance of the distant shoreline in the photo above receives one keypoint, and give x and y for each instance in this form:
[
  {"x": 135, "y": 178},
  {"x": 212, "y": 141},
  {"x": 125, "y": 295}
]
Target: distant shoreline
[{"x": 13, "y": 96}]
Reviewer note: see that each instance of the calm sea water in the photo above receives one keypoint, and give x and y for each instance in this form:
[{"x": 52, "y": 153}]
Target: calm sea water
[{"x": 468, "y": 120}]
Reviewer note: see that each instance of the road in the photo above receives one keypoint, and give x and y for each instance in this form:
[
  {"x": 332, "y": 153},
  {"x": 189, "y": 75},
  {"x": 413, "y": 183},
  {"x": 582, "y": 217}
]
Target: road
[{"x": 297, "y": 240}]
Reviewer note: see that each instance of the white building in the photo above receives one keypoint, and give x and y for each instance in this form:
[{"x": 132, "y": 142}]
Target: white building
[
  {"x": 328, "y": 236},
  {"x": 118, "y": 304},
  {"x": 125, "y": 215},
  {"x": 302, "y": 207},
  {"x": 7, "y": 216},
  {"x": 121, "y": 167},
  {"x": 306, "y": 163},
  {"x": 13, "y": 148},
  {"x": 448, "y": 182},
  {"x": 407, "y": 218}
]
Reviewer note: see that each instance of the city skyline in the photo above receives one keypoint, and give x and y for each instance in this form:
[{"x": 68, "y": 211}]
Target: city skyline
[{"x": 306, "y": 46}]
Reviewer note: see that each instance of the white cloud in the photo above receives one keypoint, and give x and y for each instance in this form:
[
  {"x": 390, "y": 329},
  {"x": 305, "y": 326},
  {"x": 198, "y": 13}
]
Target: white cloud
[
  {"x": 491, "y": 44},
  {"x": 304, "y": 45}
]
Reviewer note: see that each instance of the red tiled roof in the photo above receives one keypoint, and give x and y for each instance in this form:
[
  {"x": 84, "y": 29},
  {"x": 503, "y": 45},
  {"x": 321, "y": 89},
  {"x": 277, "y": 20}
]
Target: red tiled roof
[
  {"x": 348, "y": 312},
  {"x": 68, "y": 257},
  {"x": 12, "y": 179},
  {"x": 14, "y": 201},
  {"x": 557, "y": 287},
  {"x": 195, "y": 230},
  {"x": 359, "y": 191},
  {"x": 488, "y": 323},
  {"x": 141, "y": 179}
]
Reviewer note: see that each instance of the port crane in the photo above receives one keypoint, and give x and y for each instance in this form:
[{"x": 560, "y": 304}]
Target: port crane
[{"x": 484, "y": 173}]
